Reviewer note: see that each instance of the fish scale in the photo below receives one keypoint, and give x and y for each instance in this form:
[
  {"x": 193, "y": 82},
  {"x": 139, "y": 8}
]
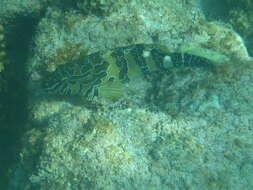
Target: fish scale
[{"x": 105, "y": 74}]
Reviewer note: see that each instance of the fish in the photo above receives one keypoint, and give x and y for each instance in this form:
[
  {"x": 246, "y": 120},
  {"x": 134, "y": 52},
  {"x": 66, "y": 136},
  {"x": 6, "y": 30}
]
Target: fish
[{"x": 105, "y": 74}]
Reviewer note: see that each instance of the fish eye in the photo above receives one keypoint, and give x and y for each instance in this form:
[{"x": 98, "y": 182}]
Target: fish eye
[
  {"x": 46, "y": 84},
  {"x": 111, "y": 79}
]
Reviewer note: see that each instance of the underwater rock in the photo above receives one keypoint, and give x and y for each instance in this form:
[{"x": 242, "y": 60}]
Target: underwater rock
[
  {"x": 242, "y": 21},
  {"x": 191, "y": 90},
  {"x": 67, "y": 33},
  {"x": 222, "y": 39},
  {"x": 241, "y": 18},
  {"x": 135, "y": 148},
  {"x": 101, "y": 7},
  {"x": 12, "y": 8},
  {"x": 236, "y": 14}
]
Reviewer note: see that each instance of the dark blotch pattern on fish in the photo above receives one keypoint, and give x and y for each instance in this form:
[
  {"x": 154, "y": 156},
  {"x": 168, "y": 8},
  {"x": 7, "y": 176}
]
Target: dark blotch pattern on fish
[
  {"x": 104, "y": 74},
  {"x": 185, "y": 59}
]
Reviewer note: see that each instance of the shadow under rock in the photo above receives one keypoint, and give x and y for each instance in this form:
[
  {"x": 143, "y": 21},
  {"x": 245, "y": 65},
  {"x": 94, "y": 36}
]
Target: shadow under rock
[{"x": 13, "y": 101}]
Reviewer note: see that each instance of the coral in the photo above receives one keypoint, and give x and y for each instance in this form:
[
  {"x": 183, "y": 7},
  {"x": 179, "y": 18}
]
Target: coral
[
  {"x": 185, "y": 90},
  {"x": 173, "y": 92},
  {"x": 45, "y": 109},
  {"x": 241, "y": 18},
  {"x": 236, "y": 14},
  {"x": 129, "y": 25},
  {"x": 12, "y": 8},
  {"x": 222, "y": 39},
  {"x": 240, "y": 14},
  {"x": 101, "y": 7},
  {"x": 242, "y": 21},
  {"x": 137, "y": 148}
]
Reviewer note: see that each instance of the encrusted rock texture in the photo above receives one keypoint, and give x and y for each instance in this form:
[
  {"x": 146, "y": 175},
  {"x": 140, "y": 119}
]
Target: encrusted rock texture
[
  {"x": 241, "y": 18},
  {"x": 193, "y": 130}
]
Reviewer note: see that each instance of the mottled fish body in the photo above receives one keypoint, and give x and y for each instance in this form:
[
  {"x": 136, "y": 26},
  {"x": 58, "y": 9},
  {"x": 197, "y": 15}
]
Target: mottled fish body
[{"x": 105, "y": 74}]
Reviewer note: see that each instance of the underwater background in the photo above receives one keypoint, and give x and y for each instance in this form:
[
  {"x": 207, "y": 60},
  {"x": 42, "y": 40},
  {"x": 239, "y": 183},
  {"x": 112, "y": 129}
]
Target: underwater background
[{"x": 126, "y": 94}]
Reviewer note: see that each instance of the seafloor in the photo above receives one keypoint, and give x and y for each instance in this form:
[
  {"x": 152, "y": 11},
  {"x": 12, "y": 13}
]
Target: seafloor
[{"x": 186, "y": 128}]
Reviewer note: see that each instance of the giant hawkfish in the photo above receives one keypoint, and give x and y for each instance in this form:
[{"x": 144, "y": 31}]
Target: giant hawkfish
[{"x": 105, "y": 74}]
